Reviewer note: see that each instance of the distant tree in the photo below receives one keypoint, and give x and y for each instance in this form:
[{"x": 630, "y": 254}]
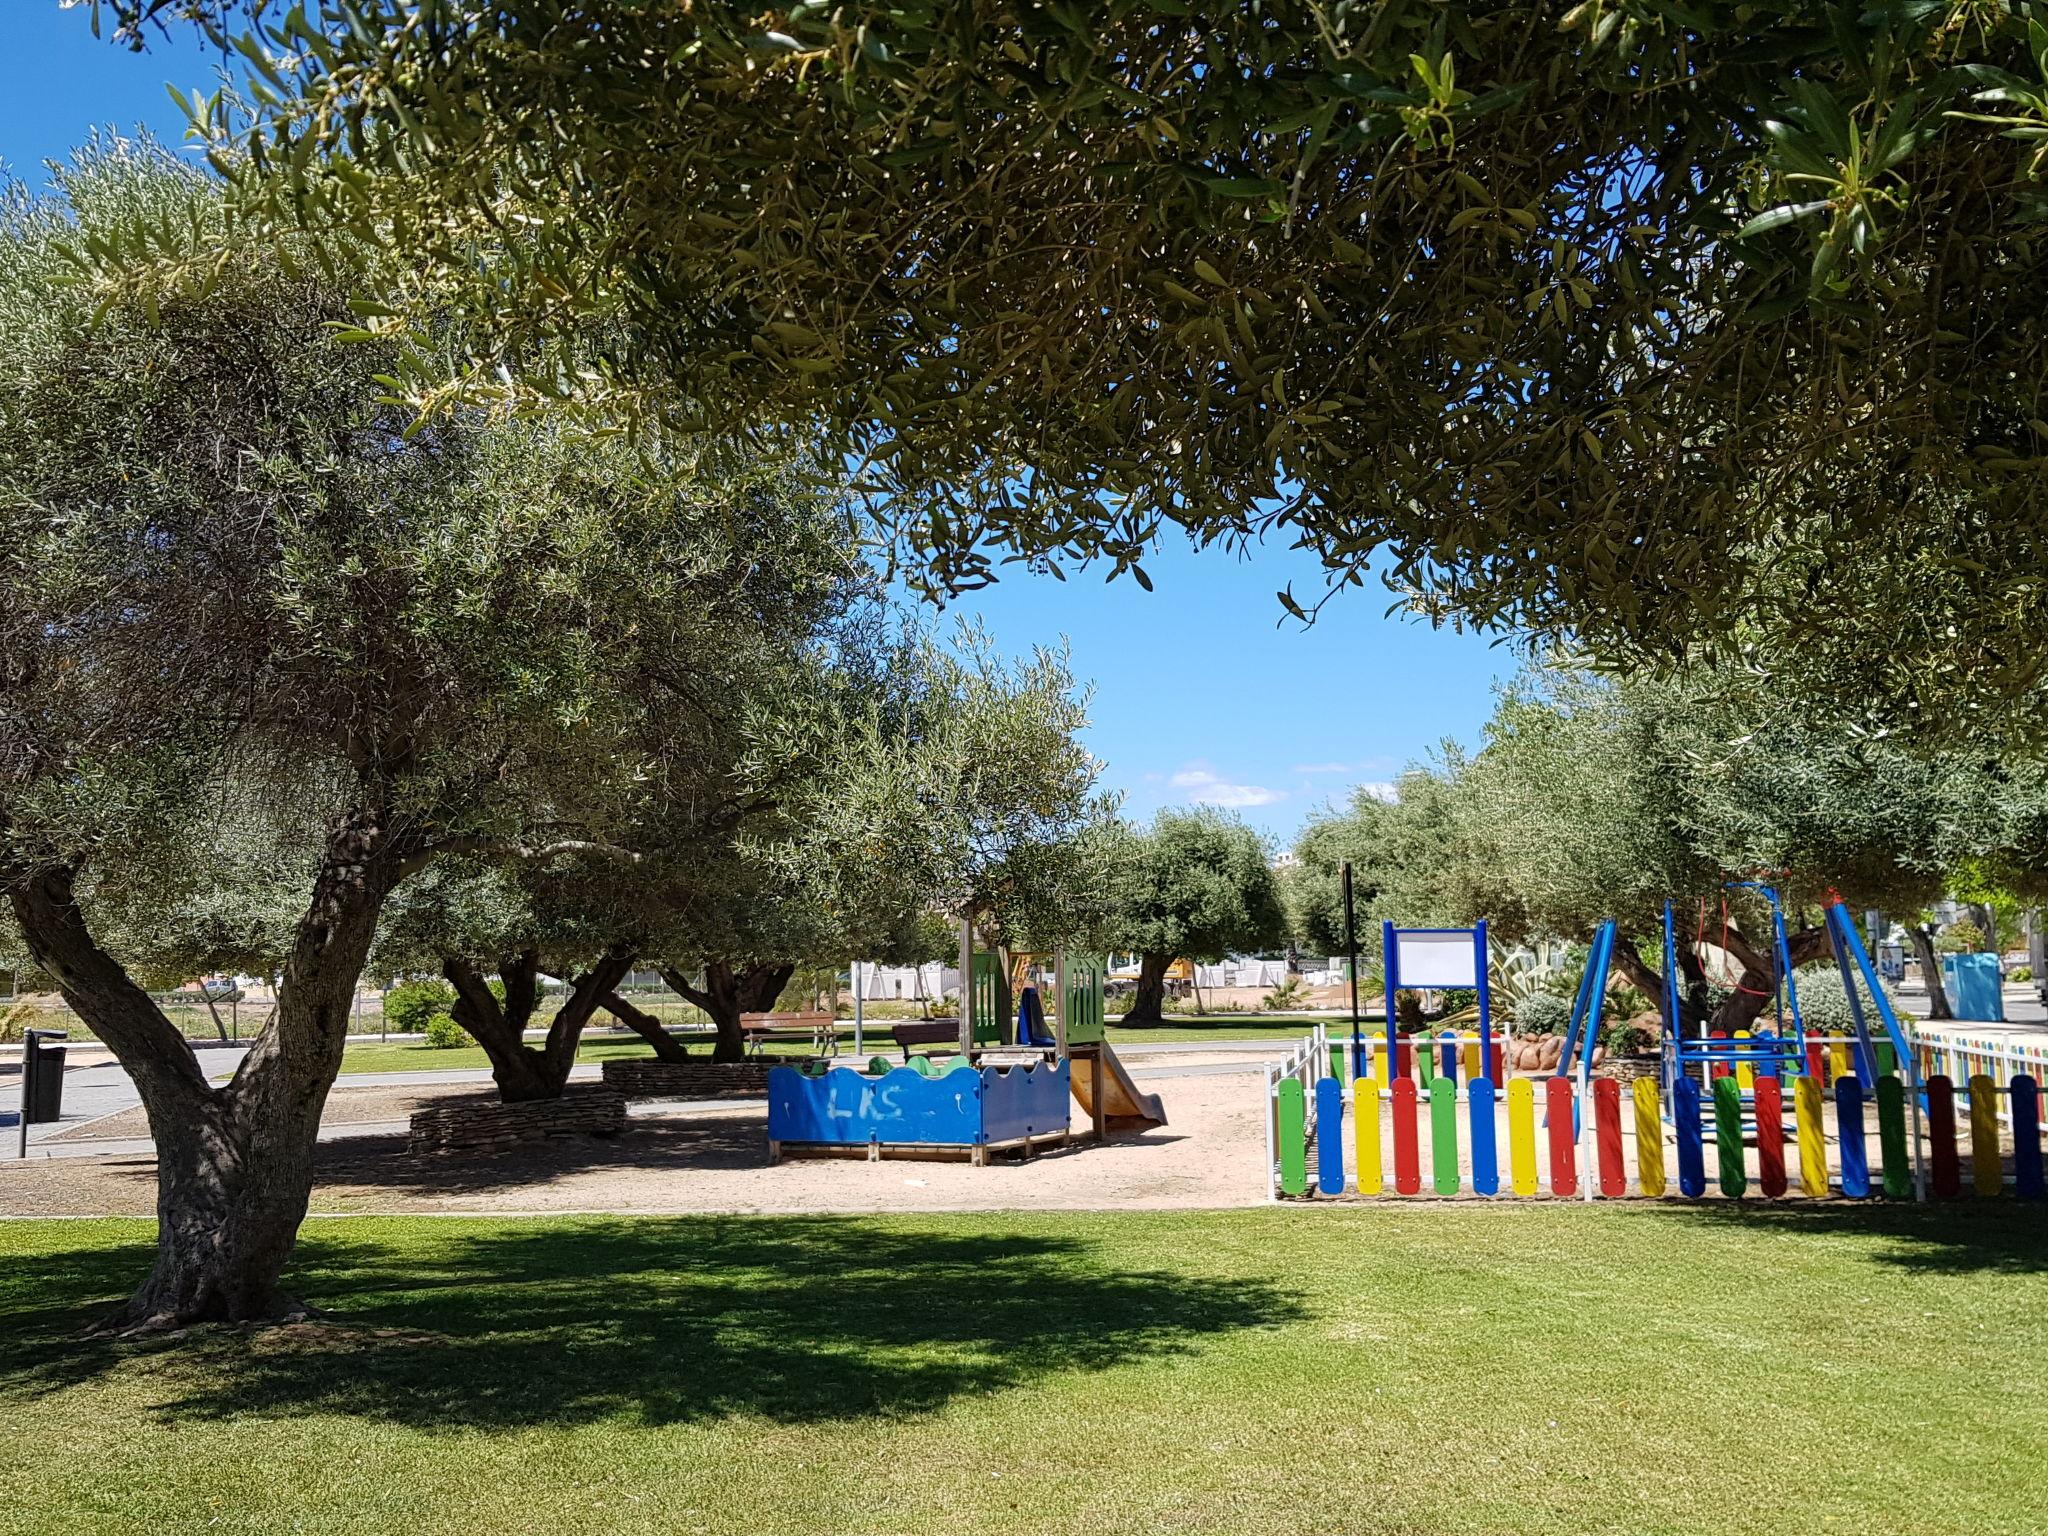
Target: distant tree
[
  {"x": 1196, "y": 885},
  {"x": 950, "y": 780},
  {"x": 1594, "y": 798}
]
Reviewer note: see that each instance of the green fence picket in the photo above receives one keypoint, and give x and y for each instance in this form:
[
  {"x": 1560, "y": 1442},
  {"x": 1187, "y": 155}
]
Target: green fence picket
[
  {"x": 1891, "y": 1138},
  {"x": 1293, "y": 1138},
  {"x": 1443, "y": 1134},
  {"x": 1728, "y": 1136}
]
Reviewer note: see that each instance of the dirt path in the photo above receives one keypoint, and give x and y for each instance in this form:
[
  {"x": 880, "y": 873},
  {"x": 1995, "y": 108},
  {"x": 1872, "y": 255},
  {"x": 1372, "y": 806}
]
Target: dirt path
[{"x": 715, "y": 1160}]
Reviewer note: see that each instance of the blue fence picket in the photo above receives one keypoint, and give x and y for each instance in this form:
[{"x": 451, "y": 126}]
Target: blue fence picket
[
  {"x": 1485, "y": 1149},
  {"x": 1692, "y": 1156},
  {"x": 1849, "y": 1135},
  {"x": 2026, "y": 1137},
  {"x": 1329, "y": 1136}
]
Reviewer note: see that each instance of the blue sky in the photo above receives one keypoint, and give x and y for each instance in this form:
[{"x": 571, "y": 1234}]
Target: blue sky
[{"x": 1202, "y": 693}]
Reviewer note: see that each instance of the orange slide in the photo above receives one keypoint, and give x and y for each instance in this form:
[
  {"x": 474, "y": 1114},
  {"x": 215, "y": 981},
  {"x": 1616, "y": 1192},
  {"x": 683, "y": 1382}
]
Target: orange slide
[{"x": 1123, "y": 1107}]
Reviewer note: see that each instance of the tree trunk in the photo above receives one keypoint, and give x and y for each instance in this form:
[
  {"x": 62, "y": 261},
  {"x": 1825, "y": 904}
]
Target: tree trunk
[
  {"x": 526, "y": 1073},
  {"x": 644, "y": 1024},
  {"x": 1756, "y": 985},
  {"x": 1930, "y": 968},
  {"x": 728, "y": 993},
  {"x": 1150, "y": 995},
  {"x": 234, "y": 1163}
]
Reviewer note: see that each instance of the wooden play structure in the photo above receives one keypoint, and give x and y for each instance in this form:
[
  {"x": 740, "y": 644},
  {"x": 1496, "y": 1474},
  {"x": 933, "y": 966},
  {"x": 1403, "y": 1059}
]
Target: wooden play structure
[{"x": 1008, "y": 1086}]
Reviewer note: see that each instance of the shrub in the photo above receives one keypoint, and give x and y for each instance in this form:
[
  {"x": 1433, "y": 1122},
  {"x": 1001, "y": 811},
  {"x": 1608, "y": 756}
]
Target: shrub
[
  {"x": 1542, "y": 1013},
  {"x": 443, "y": 1033},
  {"x": 1964, "y": 938},
  {"x": 1824, "y": 1006},
  {"x": 1291, "y": 993},
  {"x": 411, "y": 1006},
  {"x": 2020, "y": 973},
  {"x": 1629, "y": 1040}
]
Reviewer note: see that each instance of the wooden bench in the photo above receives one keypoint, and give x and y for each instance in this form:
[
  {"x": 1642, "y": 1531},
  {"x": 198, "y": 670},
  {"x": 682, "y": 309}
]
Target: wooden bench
[
  {"x": 819, "y": 1031},
  {"x": 925, "y": 1032}
]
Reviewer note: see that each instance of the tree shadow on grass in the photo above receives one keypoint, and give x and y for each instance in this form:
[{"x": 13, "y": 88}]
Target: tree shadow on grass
[
  {"x": 658, "y": 1321},
  {"x": 1944, "y": 1238}
]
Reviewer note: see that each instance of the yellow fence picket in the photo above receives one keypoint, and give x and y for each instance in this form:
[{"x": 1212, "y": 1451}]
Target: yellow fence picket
[
  {"x": 1649, "y": 1138},
  {"x": 1813, "y": 1145},
  {"x": 1365, "y": 1130},
  {"x": 1522, "y": 1136}
]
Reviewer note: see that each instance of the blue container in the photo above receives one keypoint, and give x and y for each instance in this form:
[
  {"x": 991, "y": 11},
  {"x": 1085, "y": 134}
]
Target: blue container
[
  {"x": 992, "y": 1106},
  {"x": 1976, "y": 987}
]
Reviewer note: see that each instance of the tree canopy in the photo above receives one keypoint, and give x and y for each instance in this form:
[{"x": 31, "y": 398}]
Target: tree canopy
[
  {"x": 1592, "y": 799},
  {"x": 1661, "y": 327}
]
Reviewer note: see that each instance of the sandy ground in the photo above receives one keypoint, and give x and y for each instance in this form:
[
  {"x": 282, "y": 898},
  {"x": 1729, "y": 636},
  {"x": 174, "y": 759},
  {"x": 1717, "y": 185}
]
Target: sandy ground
[{"x": 716, "y": 1160}]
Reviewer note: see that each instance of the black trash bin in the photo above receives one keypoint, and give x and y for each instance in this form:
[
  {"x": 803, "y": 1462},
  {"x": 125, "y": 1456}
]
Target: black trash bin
[{"x": 43, "y": 1064}]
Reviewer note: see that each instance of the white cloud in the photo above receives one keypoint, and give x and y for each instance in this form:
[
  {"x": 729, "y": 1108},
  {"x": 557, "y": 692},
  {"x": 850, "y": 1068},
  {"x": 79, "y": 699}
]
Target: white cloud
[
  {"x": 1204, "y": 787},
  {"x": 1381, "y": 791}
]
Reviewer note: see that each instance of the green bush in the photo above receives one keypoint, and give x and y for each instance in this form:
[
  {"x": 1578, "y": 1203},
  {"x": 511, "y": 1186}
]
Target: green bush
[
  {"x": 1542, "y": 1013},
  {"x": 411, "y": 1006},
  {"x": 2020, "y": 973},
  {"x": 443, "y": 1033},
  {"x": 1824, "y": 1006},
  {"x": 1627, "y": 1039},
  {"x": 1964, "y": 938}
]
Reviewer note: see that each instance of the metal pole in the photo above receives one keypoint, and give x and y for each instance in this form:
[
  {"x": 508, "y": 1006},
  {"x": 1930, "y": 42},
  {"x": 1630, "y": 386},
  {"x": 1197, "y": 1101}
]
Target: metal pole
[
  {"x": 859, "y": 1039},
  {"x": 966, "y": 986},
  {"x": 28, "y": 1056},
  {"x": 1351, "y": 951},
  {"x": 1059, "y": 987}
]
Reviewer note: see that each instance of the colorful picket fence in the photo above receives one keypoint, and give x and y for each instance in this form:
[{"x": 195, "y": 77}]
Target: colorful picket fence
[{"x": 1588, "y": 1153}]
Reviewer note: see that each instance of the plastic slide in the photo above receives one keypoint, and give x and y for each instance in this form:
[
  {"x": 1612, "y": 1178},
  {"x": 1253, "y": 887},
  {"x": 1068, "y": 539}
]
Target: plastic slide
[{"x": 1123, "y": 1107}]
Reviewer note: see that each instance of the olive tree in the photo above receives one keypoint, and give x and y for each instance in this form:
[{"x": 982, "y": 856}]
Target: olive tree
[
  {"x": 1598, "y": 798},
  {"x": 229, "y": 562},
  {"x": 1658, "y": 328},
  {"x": 1196, "y": 885}
]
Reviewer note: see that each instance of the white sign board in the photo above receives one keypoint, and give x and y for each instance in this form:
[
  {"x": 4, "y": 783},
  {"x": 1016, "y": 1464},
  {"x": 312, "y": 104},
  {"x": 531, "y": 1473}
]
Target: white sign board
[{"x": 1435, "y": 960}]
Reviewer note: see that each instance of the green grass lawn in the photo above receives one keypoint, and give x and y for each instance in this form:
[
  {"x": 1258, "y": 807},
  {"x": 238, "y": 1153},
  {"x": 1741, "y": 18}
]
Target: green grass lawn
[
  {"x": 1704, "y": 1369},
  {"x": 1225, "y": 1026}
]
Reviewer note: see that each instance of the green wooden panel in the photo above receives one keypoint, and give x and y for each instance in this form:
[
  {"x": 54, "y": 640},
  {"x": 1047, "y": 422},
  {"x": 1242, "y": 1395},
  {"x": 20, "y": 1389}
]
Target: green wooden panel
[
  {"x": 1293, "y": 1138},
  {"x": 1425, "y": 1060},
  {"x": 993, "y": 1014},
  {"x": 1082, "y": 1005},
  {"x": 1887, "y": 1058},
  {"x": 1443, "y": 1135},
  {"x": 1891, "y": 1138},
  {"x": 1728, "y": 1136}
]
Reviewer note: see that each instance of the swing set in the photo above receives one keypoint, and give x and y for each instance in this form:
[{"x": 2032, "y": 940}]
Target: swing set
[{"x": 1782, "y": 1051}]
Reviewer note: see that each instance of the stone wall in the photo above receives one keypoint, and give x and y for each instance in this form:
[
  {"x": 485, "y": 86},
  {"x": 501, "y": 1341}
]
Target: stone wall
[
  {"x": 472, "y": 1127},
  {"x": 646, "y": 1078}
]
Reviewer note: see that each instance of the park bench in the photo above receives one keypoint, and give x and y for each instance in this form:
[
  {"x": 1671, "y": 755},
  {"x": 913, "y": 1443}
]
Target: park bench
[
  {"x": 925, "y": 1032},
  {"x": 819, "y": 1031}
]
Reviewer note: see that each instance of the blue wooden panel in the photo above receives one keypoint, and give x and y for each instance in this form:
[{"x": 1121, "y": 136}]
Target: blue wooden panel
[
  {"x": 1692, "y": 1153},
  {"x": 847, "y": 1108},
  {"x": 2026, "y": 1137},
  {"x": 1329, "y": 1136},
  {"x": 1023, "y": 1101},
  {"x": 1849, "y": 1134},
  {"x": 1485, "y": 1137}
]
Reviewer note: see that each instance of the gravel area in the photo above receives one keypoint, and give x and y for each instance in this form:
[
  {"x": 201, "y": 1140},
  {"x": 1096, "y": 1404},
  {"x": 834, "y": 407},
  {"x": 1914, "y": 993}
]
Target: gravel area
[{"x": 714, "y": 1159}]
